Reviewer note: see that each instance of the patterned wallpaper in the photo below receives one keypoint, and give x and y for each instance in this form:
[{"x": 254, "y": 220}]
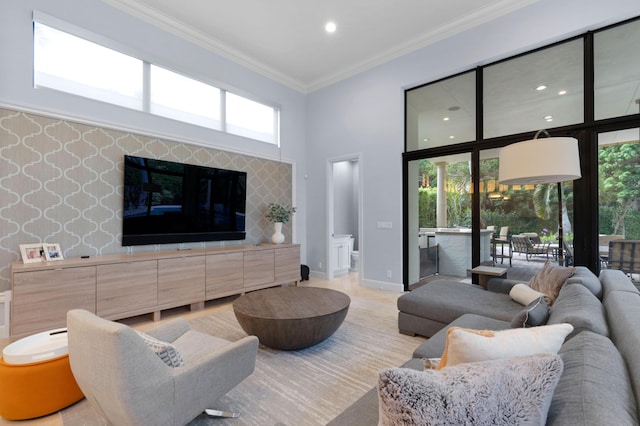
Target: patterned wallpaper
[{"x": 61, "y": 182}]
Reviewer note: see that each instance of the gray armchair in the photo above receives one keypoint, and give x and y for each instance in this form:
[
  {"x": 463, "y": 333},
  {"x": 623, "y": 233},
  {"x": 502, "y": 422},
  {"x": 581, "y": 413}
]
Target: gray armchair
[{"x": 129, "y": 384}]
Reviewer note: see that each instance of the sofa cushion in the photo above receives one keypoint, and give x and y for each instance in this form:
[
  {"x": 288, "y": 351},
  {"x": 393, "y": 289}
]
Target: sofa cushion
[
  {"x": 468, "y": 345},
  {"x": 446, "y": 300},
  {"x": 434, "y": 346},
  {"x": 507, "y": 392},
  {"x": 585, "y": 277},
  {"x": 533, "y": 315},
  {"x": 623, "y": 315},
  {"x": 550, "y": 279},
  {"x": 615, "y": 280},
  {"x": 577, "y": 306},
  {"x": 594, "y": 388}
]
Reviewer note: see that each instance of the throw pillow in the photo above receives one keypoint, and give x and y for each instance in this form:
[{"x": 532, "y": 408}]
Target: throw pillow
[
  {"x": 550, "y": 279},
  {"x": 516, "y": 391},
  {"x": 535, "y": 314},
  {"x": 168, "y": 353},
  {"x": 524, "y": 295},
  {"x": 466, "y": 345},
  {"x": 430, "y": 363}
]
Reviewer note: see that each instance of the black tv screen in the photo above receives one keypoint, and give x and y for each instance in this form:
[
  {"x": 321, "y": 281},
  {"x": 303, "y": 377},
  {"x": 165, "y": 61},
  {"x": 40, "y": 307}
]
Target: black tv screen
[{"x": 168, "y": 202}]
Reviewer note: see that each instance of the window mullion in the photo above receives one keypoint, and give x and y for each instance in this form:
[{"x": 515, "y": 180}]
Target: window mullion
[
  {"x": 223, "y": 110},
  {"x": 146, "y": 86}
]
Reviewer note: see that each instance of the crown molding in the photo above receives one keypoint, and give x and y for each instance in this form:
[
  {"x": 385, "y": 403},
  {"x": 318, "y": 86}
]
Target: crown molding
[{"x": 156, "y": 18}]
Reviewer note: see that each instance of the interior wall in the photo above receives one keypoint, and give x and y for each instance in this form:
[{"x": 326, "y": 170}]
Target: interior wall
[{"x": 62, "y": 183}]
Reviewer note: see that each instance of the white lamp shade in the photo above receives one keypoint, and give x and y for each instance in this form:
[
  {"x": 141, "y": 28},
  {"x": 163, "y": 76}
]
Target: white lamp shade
[{"x": 537, "y": 161}]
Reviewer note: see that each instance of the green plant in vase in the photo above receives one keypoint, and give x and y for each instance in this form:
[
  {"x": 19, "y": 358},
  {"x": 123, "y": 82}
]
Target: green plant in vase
[{"x": 279, "y": 214}]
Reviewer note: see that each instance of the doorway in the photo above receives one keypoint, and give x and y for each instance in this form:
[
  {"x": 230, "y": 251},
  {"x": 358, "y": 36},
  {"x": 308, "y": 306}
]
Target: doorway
[{"x": 344, "y": 252}]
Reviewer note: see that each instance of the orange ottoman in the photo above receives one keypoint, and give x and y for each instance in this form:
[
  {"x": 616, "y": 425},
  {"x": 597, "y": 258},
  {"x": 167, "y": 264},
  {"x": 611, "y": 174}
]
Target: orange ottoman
[{"x": 35, "y": 377}]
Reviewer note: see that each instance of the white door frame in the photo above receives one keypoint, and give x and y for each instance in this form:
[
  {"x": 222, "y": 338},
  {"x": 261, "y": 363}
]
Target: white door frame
[{"x": 330, "y": 211}]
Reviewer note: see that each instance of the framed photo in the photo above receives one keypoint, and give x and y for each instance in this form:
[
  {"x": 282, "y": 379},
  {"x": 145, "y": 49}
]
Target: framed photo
[
  {"x": 32, "y": 253},
  {"x": 52, "y": 251}
]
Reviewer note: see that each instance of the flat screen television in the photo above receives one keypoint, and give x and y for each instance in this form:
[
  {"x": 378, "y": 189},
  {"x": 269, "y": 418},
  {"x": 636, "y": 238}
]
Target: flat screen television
[{"x": 168, "y": 202}]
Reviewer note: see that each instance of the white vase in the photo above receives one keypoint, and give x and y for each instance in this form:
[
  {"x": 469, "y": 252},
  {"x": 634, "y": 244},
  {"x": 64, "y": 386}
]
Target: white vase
[{"x": 278, "y": 236}]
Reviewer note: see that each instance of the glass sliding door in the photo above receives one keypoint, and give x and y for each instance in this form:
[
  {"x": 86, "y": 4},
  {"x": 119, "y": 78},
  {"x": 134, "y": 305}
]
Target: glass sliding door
[
  {"x": 567, "y": 89},
  {"x": 618, "y": 188},
  {"x": 440, "y": 191},
  {"x": 524, "y": 219}
]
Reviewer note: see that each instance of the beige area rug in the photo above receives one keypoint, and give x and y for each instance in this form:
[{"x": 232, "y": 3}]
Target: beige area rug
[{"x": 305, "y": 387}]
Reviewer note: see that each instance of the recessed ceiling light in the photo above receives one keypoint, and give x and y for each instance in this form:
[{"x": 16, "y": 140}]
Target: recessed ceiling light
[
  {"x": 562, "y": 92},
  {"x": 330, "y": 27},
  {"x": 548, "y": 118},
  {"x": 445, "y": 119},
  {"x": 452, "y": 137},
  {"x": 541, "y": 87}
]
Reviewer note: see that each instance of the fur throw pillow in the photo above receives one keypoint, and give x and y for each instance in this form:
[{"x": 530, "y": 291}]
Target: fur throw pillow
[{"x": 515, "y": 391}]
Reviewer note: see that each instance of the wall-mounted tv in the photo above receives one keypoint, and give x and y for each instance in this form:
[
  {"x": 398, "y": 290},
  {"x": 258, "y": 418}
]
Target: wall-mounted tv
[{"x": 168, "y": 202}]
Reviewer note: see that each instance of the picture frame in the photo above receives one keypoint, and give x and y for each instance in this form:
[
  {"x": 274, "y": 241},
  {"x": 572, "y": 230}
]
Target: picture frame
[
  {"x": 52, "y": 252},
  {"x": 32, "y": 253}
]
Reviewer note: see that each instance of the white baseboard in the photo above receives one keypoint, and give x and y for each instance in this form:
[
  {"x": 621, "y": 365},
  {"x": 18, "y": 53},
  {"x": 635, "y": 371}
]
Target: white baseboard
[{"x": 318, "y": 274}]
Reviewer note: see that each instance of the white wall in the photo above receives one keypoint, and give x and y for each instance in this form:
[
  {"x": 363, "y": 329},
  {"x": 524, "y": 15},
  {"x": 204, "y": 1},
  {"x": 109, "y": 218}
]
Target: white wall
[
  {"x": 365, "y": 114},
  {"x": 152, "y": 44}
]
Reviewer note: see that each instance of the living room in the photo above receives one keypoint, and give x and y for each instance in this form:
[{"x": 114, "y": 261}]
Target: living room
[{"x": 362, "y": 113}]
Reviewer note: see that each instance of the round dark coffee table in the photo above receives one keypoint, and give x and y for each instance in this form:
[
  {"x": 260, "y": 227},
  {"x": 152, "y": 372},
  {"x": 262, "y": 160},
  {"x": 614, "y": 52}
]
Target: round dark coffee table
[{"x": 291, "y": 318}]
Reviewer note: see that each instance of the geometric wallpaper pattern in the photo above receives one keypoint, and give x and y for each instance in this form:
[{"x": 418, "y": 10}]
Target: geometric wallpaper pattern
[{"x": 61, "y": 182}]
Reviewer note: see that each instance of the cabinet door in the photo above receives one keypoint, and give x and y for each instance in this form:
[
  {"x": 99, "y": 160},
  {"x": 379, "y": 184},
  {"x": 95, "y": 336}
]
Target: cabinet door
[
  {"x": 41, "y": 299},
  {"x": 181, "y": 280},
  {"x": 225, "y": 274},
  {"x": 344, "y": 256},
  {"x": 259, "y": 268},
  {"x": 340, "y": 256},
  {"x": 287, "y": 264},
  {"x": 126, "y": 288}
]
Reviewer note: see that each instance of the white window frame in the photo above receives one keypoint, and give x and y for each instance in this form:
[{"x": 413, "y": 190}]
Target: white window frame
[{"x": 145, "y": 103}]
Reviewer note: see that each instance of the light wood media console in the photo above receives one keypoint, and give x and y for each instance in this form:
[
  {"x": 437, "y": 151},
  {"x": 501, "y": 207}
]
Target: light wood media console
[{"x": 126, "y": 285}]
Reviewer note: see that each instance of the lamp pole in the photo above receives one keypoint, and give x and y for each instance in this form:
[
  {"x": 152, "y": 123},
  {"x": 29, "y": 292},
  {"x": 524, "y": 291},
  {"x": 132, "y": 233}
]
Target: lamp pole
[{"x": 560, "y": 246}]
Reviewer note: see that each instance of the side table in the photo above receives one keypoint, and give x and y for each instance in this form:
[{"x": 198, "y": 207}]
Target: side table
[
  {"x": 35, "y": 376},
  {"x": 486, "y": 272}
]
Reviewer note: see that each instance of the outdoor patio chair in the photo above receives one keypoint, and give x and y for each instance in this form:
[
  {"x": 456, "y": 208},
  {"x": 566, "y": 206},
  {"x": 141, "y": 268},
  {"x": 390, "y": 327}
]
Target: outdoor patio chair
[
  {"x": 523, "y": 244},
  {"x": 504, "y": 233},
  {"x": 625, "y": 256}
]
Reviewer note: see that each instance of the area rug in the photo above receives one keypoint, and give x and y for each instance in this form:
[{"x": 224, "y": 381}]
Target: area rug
[{"x": 306, "y": 387}]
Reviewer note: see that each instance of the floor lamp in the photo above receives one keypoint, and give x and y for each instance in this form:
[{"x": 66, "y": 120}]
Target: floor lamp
[{"x": 538, "y": 161}]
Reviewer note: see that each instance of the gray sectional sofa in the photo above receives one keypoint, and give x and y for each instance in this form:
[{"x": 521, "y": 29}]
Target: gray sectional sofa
[{"x": 600, "y": 384}]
